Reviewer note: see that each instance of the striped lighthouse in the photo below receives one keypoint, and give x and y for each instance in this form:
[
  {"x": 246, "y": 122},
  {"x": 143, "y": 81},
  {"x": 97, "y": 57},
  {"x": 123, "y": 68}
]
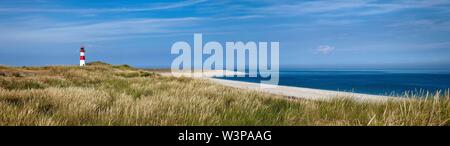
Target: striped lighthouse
[{"x": 82, "y": 61}]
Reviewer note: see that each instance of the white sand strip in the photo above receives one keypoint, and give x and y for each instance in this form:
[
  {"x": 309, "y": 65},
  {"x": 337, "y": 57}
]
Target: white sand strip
[
  {"x": 305, "y": 93},
  {"x": 296, "y": 92}
]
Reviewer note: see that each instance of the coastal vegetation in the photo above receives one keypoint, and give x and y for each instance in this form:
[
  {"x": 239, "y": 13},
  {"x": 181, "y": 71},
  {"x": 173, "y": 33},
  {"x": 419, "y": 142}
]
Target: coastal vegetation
[{"x": 103, "y": 94}]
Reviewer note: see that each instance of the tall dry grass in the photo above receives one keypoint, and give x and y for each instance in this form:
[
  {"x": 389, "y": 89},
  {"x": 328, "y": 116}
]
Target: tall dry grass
[{"x": 119, "y": 95}]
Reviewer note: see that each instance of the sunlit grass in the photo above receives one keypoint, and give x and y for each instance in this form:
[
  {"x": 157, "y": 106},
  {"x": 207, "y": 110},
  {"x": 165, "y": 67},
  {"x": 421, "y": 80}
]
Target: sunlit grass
[{"x": 101, "y": 94}]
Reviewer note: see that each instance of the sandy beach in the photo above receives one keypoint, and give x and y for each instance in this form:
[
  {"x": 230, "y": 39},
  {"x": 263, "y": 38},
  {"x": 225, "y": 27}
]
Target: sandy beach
[
  {"x": 293, "y": 92},
  {"x": 305, "y": 93}
]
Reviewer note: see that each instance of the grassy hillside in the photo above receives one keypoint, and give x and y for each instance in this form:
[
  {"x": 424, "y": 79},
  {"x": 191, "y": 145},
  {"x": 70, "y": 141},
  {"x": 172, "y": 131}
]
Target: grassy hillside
[{"x": 102, "y": 94}]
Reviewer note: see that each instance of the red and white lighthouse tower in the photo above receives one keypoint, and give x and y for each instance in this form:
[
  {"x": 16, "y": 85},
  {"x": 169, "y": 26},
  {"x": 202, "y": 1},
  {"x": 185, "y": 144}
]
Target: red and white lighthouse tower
[{"x": 82, "y": 61}]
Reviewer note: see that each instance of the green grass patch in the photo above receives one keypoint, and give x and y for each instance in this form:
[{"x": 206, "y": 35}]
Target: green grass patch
[{"x": 102, "y": 94}]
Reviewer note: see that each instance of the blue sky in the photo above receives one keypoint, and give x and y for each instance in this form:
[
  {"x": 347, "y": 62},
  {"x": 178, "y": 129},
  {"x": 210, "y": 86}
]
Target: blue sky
[{"x": 402, "y": 33}]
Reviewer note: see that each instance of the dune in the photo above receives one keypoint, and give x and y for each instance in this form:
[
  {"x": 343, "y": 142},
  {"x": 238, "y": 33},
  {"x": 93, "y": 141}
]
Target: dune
[{"x": 206, "y": 73}]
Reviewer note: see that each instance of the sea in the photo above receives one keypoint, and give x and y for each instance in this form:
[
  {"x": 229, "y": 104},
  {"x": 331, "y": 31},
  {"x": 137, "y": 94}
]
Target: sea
[{"x": 368, "y": 81}]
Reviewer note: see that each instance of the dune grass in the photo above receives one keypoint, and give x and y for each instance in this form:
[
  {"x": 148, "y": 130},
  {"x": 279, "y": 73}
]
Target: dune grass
[{"x": 101, "y": 94}]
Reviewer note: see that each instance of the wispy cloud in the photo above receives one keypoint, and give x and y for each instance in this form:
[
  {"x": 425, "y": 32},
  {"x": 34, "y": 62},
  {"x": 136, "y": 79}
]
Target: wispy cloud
[
  {"x": 309, "y": 7},
  {"x": 382, "y": 8},
  {"x": 423, "y": 24},
  {"x": 152, "y": 7},
  {"x": 109, "y": 30},
  {"x": 345, "y": 8}
]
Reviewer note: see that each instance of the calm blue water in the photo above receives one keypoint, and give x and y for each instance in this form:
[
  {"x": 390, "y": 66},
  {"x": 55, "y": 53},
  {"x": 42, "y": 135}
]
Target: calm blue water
[{"x": 381, "y": 82}]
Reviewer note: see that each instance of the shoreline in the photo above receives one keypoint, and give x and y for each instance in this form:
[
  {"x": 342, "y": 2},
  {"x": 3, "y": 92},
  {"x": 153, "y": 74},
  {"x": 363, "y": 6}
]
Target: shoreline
[
  {"x": 289, "y": 91},
  {"x": 304, "y": 93}
]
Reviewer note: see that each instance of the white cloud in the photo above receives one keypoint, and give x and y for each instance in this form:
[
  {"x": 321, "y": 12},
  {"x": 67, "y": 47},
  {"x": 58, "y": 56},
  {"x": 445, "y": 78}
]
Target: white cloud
[{"x": 324, "y": 49}]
